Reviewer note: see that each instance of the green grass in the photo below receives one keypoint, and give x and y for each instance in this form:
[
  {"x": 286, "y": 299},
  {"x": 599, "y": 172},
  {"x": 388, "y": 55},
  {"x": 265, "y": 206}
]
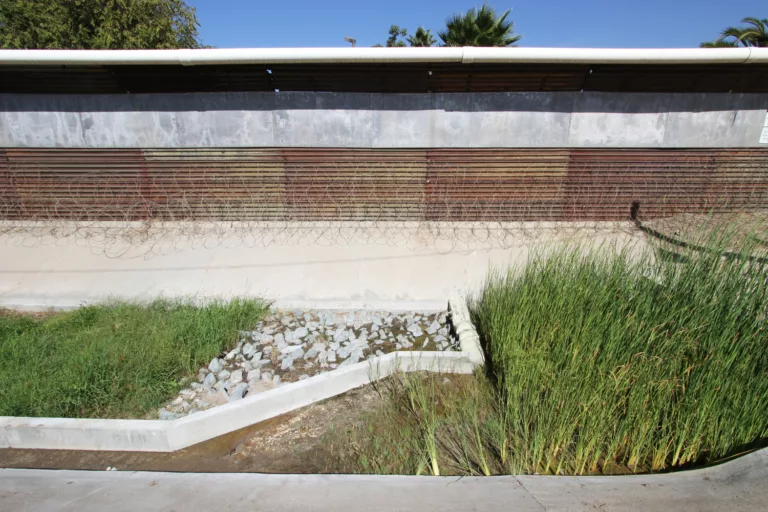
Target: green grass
[
  {"x": 115, "y": 360},
  {"x": 598, "y": 363}
]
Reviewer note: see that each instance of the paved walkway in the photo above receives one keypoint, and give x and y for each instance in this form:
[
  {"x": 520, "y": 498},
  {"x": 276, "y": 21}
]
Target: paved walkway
[{"x": 736, "y": 486}]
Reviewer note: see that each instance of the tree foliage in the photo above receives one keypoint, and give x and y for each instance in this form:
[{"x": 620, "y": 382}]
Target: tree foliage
[
  {"x": 395, "y": 33},
  {"x": 102, "y": 24},
  {"x": 479, "y": 27},
  {"x": 755, "y": 33},
  {"x": 422, "y": 37}
]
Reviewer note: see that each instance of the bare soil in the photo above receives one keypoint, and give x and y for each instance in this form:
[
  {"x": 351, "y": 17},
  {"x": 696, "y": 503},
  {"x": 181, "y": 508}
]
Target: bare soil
[
  {"x": 303, "y": 441},
  {"x": 741, "y": 226}
]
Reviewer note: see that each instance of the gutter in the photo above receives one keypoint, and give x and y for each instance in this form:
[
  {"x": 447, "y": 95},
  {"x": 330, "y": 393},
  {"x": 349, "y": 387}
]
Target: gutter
[{"x": 466, "y": 55}]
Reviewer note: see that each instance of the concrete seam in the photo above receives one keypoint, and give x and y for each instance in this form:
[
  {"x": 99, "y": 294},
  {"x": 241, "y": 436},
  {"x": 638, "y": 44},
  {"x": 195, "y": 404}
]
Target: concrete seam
[{"x": 530, "y": 493}]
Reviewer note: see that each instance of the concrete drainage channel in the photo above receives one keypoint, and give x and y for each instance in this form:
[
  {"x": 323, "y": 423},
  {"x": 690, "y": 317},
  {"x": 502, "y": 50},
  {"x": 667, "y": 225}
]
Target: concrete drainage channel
[{"x": 266, "y": 401}]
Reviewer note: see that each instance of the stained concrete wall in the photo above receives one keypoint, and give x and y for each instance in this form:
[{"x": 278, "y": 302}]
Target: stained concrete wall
[
  {"x": 362, "y": 120},
  {"x": 389, "y": 269}
]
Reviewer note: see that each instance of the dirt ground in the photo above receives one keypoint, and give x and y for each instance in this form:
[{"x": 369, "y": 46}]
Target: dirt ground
[
  {"x": 304, "y": 441},
  {"x": 751, "y": 227}
]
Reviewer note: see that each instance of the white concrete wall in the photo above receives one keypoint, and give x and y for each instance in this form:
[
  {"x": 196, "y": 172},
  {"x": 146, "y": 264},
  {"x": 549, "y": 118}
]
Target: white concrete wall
[
  {"x": 396, "y": 270},
  {"x": 363, "y": 120}
]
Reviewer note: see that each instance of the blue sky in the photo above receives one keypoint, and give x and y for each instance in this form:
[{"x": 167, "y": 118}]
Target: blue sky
[{"x": 575, "y": 23}]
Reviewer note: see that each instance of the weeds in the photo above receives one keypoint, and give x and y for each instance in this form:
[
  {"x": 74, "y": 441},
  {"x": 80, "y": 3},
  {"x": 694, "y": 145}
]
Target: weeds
[
  {"x": 112, "y": 360},
  {"x": 598, "y": 362}
]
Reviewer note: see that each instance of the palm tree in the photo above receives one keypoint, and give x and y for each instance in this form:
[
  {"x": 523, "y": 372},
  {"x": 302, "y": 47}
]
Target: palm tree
[
  {"x": 422, "y": 37},
  {"x": 395, "y": 33},
  {"x": 755, "y": 34},
  {"x": 719, "y": 43},
  {"x": 479, "y": 27}
]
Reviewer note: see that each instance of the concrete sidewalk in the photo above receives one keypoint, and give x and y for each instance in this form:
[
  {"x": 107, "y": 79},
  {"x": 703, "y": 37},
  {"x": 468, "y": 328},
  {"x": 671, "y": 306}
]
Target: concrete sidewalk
[{"x": 735, "y": 486}]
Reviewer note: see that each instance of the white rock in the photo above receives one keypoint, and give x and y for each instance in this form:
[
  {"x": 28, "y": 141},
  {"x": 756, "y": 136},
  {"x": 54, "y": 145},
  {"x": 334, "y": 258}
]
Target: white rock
[
  {"x": 287, "y": 362},
  {"x": 340, "y": 335},
  {"x": 266, "y": 376},
  {"x": 237, "y": 392},
  {"x": 254, "y": 375},
  {"x": 276, "y": 379},
  {"x": 297, "y": 353},
  {"x": 224, "y": 374},
  {"x": 331, "y": 356},
  {"x": 209, "y": 381},
  {"x": 232, "y": 353},
  {"x": 304, "y": 377},
  {"x": 215, "y": 365},
  {"x": 287, "y": 349},
  {"x": 443, "y": 331},
  {"x": 349, "y": 361},
  {"x": 433, "y": 327},
  {"x": 334, "y": 345},
  {"x": 439, "y": 337},
  {"x": 415, "y": 330},
  {"x": 279, "y": 339},
  {"x": 248, "y": 349},
  {"x": 310, "y": 353},
  {"x": 266, "y": 339},
  {"x": 167, "y": 415},
  {"x": 214, "y": 398},
  {"x": 300, "y": 332},
  {"x": 236, "y": 377}
]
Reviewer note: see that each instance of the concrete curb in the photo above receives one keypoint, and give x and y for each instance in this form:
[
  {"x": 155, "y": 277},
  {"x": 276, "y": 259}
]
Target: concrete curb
[
  {"x": 735, "y": 485},
  {"x": 169, "y": 436},
  {"x": 469, "y": 341}
]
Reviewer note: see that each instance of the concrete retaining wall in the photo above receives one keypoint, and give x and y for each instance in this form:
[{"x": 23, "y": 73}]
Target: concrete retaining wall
[
  {"x": 168, "y": 436},
  {"x": 378, "y": 268},
  {"x": 362, "y": 120}
]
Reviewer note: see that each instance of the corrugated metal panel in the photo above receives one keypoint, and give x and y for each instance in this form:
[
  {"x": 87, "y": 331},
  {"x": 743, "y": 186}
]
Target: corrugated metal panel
[
  {"x": 495, "y": 184},
  {"x": 368, "y": 184},
  {"x": 354, "y": 184},
  {"x": 677, "y": 78},
  {"x": 397, "y": 78}
]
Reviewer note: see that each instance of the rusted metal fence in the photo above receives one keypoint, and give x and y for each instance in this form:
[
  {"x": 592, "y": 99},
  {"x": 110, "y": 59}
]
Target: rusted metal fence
[{"x": 503, "y": 185}]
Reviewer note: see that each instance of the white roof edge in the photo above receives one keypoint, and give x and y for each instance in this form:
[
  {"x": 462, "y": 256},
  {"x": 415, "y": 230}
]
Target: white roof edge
[{"x": 386, "y": 55}]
